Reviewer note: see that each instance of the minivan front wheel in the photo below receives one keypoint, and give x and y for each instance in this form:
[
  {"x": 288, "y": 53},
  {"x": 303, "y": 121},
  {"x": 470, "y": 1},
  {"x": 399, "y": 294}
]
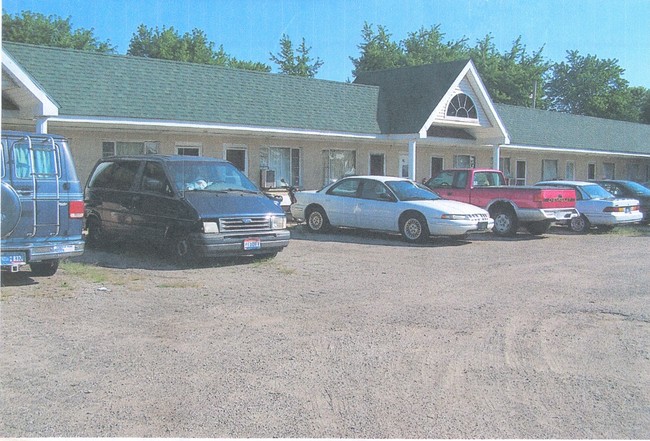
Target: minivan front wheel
[{"x": 181, "y": 249}]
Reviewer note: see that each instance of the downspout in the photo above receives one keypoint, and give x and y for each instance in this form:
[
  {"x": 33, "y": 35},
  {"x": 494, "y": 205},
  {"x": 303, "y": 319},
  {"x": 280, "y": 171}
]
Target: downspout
[
  {"x": 496, "y": 156},
  {"x": 412, "y": 155}
]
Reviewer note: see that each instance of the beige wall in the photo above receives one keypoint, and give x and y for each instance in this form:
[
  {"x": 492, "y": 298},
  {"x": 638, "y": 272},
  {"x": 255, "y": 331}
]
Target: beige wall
[{"x": 87, "y": 149}]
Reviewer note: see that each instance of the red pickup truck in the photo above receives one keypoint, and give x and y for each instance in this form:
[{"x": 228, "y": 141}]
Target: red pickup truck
[{"x": 534, "y": 208}]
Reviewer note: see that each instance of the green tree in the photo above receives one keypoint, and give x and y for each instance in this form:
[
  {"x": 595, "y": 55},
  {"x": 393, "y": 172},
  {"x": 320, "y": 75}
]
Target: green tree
[
  {"x": 512, "y": 77},
  {"x": 378, "y": 51},
  {"x": 194, "y": 47},
  {"x": 426, "y": 46},
  {"x": 587, "y": 85},
  {"x": 295, "y": 62},
  {"x": 35, "y": 28},
  {"x": 641, "y": 101}
]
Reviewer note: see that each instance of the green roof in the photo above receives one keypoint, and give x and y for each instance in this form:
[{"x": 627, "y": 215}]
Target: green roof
[
  {"x": 544, "y": 128},
  {"x": 408, "y": 95},
  {"x": 98, "y": 85}
]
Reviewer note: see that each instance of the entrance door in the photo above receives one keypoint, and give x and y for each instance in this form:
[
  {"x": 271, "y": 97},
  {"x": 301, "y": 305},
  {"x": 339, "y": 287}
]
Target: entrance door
[
  {"x": 377, "y": 164},
  {"x": 403, "y": 165},
  {"x": 520, "y": 177},
  {"x": 436, "y": 166}
]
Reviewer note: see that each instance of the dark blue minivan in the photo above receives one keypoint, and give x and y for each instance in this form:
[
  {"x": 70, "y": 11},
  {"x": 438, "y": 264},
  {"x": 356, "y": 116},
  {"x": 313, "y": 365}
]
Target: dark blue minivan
[
  {"x": 42, "y": 203},
  {"x": 192, "y": 207}
]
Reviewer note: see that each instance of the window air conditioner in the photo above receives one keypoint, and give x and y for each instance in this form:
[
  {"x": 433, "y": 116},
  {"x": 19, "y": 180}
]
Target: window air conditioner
[{"x": 267, "y": 178}]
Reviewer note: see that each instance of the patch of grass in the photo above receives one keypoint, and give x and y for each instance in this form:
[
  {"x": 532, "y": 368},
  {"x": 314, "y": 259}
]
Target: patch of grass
[
  {"x": 632, "y": 231},
  {"x": 84, "y": 271}
]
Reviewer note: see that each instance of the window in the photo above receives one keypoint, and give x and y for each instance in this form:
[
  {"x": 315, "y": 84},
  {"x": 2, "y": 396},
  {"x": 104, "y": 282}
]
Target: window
[
  {"x": 549, "y": 169},
  {"x": 462, "y": 106},
  {"x": 374, "y": 190},
  {"x": 609, "y": 170},
  {"x": 115, "y": 175},
  {"x": 284, "y": 161},
  {"x": 634, "y": 172},
  {"x": 377, "y": 164},
  {"x": 113, "y": 148},
  {"x": 520, "y": 173},
  {"x": 591, "y": 171},
  {"x": 154, "y": 179},
  {"x": 42, "y": 160},
  {"x": 464, "y": 161},
  {"x": 337, "y": 164},
  {"x": 188, "y": 151},
  {"x": 570, "y": 171},
  {"x": 237, "y": 156},
  {"x": 346, "y": 188}
]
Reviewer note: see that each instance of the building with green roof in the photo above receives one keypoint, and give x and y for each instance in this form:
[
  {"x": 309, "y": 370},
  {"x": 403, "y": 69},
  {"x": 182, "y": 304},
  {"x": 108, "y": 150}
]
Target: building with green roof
[{"x": 404, "y": 122}]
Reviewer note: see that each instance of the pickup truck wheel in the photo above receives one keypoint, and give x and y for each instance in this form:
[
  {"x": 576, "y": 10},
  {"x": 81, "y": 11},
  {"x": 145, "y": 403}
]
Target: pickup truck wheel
[
  {"x": 505, "y": 222},
  {"x": 538, "y": 228},
  {"x": 45, "y": 268},
  {"x": 414, "y": 228},
  {"x": 579, "y": 224},
  {"x": 317, "y": 221}
]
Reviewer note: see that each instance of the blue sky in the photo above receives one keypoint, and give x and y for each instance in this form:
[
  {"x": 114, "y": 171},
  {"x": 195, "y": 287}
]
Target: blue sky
[{"x": 250, "y": 29}]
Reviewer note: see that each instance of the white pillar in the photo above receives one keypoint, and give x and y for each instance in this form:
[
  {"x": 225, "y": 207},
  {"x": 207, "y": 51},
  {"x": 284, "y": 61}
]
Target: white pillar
[
  {"x": 496, "y": 155},
  {"x": 41, "y": 125},
  {"x": 412, "y": 154}
]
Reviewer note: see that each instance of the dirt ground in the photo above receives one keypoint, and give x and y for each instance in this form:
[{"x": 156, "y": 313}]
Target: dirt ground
[{"x": 341, "y": 335}]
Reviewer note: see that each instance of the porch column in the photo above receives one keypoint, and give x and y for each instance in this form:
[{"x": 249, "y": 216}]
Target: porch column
[
  {"x": 496, "y": 156},
  {"x": 412, "y": 151},
  {"x": 41, "y": 125}
]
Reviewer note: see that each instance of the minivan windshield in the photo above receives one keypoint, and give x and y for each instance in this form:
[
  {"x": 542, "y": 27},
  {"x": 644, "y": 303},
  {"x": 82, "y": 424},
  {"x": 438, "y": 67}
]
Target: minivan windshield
[{"x": 209, "y": 176}]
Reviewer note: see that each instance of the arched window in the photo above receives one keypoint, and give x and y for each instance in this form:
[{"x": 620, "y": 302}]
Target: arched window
[{"x": 462, "y": 106}]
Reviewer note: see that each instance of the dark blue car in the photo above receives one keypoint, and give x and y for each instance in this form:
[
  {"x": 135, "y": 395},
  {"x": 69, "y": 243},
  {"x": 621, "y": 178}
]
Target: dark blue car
[{"x": 42, "y": 203}]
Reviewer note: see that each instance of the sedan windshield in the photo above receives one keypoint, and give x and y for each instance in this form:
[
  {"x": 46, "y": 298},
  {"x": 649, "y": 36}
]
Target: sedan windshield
[
  {"x": 409, "y": 191},
  {"x": 209, "y": 176},
  {"x": 596, "y": 192}
]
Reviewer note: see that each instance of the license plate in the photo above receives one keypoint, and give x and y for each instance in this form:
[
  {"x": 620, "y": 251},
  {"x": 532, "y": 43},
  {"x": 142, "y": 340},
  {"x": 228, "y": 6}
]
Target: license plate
[
  {"x": 628, "y": 210},
  {"x": 482, "y": 226},
  {"x": 13, "y": 258},
  {"x": 253, "y": 243}
]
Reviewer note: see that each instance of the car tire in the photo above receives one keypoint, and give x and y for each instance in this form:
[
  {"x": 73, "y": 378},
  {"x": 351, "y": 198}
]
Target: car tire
[
  {"x": 414, "y": 228},
  {"x": 45, "y": 268},
  {"x": 505, "y": 221},
  {"x": 579, "y": 224},
  {"x": 317, "y": 221},
  {"x": 181, "y": 249},
  {"x": 95, "y": 234},
  {"x": 538, "y": 228}
]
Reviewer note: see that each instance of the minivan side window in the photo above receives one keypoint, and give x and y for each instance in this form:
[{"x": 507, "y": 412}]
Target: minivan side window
[
  {"x": 115, "y": 175},
  {"x": 154, "y": 179}
]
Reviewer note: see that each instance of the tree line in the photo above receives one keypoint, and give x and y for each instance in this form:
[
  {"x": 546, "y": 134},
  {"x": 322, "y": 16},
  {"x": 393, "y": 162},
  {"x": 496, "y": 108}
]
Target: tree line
[{"x": 581, "y": 84}]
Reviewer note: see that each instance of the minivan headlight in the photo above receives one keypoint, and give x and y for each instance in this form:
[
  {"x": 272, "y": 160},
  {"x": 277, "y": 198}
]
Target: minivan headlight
[
  {"x": 278, "y": 222},
  {"x": 210, "y": 227}
]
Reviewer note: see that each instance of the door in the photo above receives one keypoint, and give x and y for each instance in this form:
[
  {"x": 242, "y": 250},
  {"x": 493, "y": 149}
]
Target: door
[
  {"x": 436, "y": 166},
  {"x": 238, "y": 158},
  {"x": 404, "y": 165},
  {"x": 375, "y": 207},
  {"x": 377, "y": 164},
  {"x": 451, "y": 185},
  {"x": 341, "y": 203}
]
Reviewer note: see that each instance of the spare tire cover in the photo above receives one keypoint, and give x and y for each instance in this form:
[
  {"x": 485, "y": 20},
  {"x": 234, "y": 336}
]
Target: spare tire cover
[{"x": 10, "y": 209}]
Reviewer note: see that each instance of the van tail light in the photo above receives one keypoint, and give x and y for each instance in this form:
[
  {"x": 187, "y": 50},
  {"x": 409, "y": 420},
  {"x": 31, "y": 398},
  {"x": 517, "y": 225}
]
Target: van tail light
[{"x": 76, "y": 209}]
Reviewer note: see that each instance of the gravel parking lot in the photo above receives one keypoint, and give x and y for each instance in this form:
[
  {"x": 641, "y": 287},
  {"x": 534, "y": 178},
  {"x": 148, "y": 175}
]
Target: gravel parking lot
[{"x": 341, "y": 335}]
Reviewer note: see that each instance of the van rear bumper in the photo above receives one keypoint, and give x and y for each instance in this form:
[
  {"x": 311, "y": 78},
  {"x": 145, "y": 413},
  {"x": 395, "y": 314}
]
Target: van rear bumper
[
  {"x": 40, "y": 251},
  {"x": 216, "y": 245}
]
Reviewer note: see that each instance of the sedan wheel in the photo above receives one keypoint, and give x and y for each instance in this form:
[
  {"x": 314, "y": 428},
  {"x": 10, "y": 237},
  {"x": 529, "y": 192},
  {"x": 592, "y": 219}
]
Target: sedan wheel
[
  {"x": 579, "y": 224},
  {"x": 414, "y": 228},
  {"x": 317, "y": 221}
]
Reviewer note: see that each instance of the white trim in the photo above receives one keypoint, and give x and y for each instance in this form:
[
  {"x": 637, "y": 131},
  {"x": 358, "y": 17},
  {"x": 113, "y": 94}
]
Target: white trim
[
  {"x": 210, "y": 126},
  {"x": 46, "y": 105},
  {"x": 570, "y": 150}
]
